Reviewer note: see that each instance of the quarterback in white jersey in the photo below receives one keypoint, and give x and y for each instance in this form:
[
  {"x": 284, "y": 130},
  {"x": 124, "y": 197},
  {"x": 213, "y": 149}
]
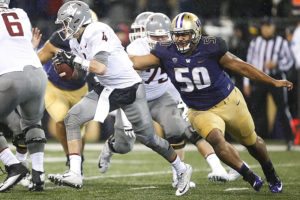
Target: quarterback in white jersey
[
  {"x": 96, "y": 48},
  {"x": 22, "y": 85}
]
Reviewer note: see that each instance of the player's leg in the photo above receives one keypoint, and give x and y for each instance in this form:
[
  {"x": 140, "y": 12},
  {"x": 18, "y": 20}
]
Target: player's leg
[
  {"x": 241, "y": 126},
  {"x": 164, "y": 111},
  {"x": 13, "y": 121},
  {"x": 139, "y": 116},
  {"x": 31, "y": 111},
  {"x": 79, "y": 114},
  {"x": 213, "y": 131}
]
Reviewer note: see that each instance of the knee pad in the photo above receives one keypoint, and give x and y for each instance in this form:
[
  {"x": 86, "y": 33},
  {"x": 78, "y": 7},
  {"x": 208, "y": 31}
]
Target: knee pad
[
  {"x": 177, "y": 142},
  {"x": 121, "y": 148},
  {"x": 34, "y": 134},
  {"x": 192, "y": 136},
  {"x": 19, "y": 141}
]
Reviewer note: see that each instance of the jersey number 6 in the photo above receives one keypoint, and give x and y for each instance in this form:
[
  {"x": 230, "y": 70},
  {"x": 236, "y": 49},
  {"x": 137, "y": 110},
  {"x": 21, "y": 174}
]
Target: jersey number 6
[{"x": 13, "y": 28}]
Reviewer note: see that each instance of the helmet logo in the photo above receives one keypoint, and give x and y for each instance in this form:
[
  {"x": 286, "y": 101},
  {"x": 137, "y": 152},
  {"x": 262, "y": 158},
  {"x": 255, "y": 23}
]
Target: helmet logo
[{"x": 70, "y": 11}]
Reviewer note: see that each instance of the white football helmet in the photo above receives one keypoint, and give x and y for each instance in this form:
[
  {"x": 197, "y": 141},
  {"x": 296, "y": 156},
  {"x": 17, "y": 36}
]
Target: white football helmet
[
  {"x": 72, "y": 15},
  {"x": 138, "y": 26},
  {"x": 186, "y": 23},
  {"x": 157, "y": 29},
  {"x": 4, "y": 3}
]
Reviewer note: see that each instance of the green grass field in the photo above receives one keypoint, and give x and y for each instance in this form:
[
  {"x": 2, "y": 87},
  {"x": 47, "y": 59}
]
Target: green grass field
[{"x": 144, "y": 175}]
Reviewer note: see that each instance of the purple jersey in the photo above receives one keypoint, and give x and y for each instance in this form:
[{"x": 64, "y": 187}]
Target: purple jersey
[
  {"x": 199, "y": 78},
  {"x": 49, "y": 68}
]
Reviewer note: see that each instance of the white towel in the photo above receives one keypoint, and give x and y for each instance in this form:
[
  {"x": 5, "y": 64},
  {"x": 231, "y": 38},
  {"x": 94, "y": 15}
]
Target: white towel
[{"x": 102, "y": 109}]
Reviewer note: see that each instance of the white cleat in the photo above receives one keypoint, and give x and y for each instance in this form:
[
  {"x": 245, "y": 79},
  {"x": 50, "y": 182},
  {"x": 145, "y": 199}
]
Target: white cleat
[
  {"x": 218, "y": 176},
  {"x": 184, "y": 181},
  {"x": 104, "y": 158},
  {"x": 69, "y": 178},
  {"x": 175, "y": 183},
  {"x": 233, "y": 175}
]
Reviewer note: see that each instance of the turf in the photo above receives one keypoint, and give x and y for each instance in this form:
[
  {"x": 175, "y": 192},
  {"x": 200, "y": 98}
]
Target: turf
[{"x": 145, "y": 175}]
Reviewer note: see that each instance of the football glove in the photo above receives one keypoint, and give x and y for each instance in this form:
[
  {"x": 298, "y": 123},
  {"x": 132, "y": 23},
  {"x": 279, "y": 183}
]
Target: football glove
[{"x": 64, "y": 57}]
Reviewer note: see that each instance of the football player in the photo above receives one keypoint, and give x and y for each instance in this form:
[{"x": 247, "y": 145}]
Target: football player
[
  {"x": 96, "y": 48},
  {"x": 162, "y": 105},
  {"x": 23, "y": 83},
  {"x": 195, "y": 64}
]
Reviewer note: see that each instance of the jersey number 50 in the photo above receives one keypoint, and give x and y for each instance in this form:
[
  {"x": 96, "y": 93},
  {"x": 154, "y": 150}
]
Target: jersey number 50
[
  {"x": 200, "y": 78},
  {"x": 13, "y": 28}
]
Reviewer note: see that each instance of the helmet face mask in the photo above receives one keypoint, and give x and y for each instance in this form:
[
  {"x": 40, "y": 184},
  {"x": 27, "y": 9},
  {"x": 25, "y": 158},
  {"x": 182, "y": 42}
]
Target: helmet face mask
[
  {"x": 138, "y": 26},
  {"x": 158, "y": 29},
  {"x": 72, "y": 16},
  {"x": 185, "y": 31},
  {"x": 4, "y": 3}
]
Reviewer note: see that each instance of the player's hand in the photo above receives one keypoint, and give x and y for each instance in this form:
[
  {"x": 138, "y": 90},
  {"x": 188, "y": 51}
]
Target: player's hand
[
  {"x": 64, "y": 57},
  {"x": 184, "y": 110},
  {"x": 36, "y": 37},
  {"x": 129, "y": 132},
  {"x": 284, "y": 83}
]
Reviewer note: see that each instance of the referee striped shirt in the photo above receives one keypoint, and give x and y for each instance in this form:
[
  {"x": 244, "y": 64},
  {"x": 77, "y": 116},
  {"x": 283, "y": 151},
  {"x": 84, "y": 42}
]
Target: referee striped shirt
[{"x": 275, "y": 49}]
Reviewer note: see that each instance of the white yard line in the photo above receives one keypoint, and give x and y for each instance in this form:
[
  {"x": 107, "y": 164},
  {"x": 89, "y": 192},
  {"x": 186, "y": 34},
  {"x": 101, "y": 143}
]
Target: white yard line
[{"x": 140, "y": 147}]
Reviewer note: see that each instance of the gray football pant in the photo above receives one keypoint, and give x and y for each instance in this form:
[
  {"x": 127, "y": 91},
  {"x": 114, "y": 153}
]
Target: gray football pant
[
  {"x": 25, "y": 89},
  {"x": 165, "y": 112},
  {"x": 137, "y": 113}
]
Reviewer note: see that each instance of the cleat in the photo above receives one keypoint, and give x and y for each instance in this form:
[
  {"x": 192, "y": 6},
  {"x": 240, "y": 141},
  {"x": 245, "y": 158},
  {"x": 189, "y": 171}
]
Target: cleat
[
  {"x": 37, "y": 182},
  {"x": 258, "y": 183},
  {"x": 104, "y": 158},
  {"x": 15, "y": 173},
  {"x": 69, "y": 178},
  {"x": 218, "y": 176},
  {"x": 175, "y": 183},
  {"x": 276, "y": 187},
  {"x": 184, "y": 181},
  {"x": 233, "y": 175}
]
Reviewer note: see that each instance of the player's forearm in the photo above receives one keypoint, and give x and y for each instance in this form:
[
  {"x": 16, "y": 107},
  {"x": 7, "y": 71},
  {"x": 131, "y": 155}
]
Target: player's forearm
[
  {"x": 143, "y": 62},
  {"x": 254, "y": 74}
]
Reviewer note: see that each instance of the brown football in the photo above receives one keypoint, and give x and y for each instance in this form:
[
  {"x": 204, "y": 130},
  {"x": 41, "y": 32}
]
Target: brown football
[{"x": 64, "y": 71}]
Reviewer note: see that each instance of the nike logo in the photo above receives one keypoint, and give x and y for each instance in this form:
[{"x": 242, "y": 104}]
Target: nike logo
[
  {"x": 200, "y": 61},
  {"x": 238, "y": 103}
]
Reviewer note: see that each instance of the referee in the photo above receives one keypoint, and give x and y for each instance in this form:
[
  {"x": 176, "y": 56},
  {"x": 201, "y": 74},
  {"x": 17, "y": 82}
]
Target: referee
[{"x": 270, "y": 53}]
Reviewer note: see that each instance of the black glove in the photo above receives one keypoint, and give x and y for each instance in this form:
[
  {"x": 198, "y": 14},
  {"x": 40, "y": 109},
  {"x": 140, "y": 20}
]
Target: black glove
[{"x": 64, "y": 57}]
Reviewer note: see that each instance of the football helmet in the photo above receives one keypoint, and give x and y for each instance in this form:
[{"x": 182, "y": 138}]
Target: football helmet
[
  {"x": 4, "y": 3},
  {"x": 186, "y": 23},
  {"x": 138, "y": 26},
  {"x": 72, "y": 15},
  {"x": 157, "y": 29}
]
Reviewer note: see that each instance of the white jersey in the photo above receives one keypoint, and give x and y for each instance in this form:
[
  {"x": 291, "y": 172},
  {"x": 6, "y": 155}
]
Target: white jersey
[
  {"x": 156, "y": 83},
  {"x": 99, "y": 37},
  {"x": 16, "y": 49}
]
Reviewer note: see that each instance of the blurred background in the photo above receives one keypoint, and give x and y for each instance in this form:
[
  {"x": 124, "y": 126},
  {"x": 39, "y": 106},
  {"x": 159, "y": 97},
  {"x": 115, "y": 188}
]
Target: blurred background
[{"x": 236, "y": 21}]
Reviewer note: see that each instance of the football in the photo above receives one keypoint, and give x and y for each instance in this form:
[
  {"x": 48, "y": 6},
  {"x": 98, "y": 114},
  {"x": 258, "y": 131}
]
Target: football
[{"x": 64, "y": 71}]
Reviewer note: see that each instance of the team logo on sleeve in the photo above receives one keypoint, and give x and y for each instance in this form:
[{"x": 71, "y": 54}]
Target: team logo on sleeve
[{"x": 174, "y": 60}]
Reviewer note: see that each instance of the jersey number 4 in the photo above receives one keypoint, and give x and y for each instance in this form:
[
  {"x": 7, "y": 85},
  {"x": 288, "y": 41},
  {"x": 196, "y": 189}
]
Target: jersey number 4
[
  {"x": 14, "y": 28},
  {"x": 199, "y": 78}
]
